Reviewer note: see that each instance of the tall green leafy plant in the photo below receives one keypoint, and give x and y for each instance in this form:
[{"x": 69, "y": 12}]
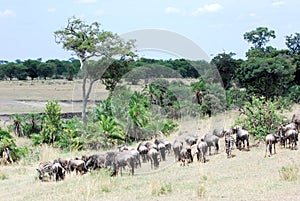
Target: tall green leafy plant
[
  {"x": 260, "y": 116},
  {"x": 52, "y": 125}
]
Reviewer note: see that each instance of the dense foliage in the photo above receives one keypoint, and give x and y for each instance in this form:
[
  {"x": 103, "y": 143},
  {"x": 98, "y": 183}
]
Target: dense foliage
[
  {"x": 7, "y": 140},
  {"x": 260, "y": 116}
]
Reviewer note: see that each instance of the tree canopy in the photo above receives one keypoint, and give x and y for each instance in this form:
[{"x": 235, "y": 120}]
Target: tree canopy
[{"x": 88, "y": 41}]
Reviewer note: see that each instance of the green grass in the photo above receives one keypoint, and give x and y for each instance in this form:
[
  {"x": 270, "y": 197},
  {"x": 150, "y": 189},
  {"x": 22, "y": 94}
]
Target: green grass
[{"x": 289, "y": 173}]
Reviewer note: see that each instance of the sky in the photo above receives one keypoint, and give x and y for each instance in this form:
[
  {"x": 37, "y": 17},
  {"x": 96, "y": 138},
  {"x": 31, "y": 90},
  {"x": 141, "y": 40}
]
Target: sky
[{"x": 215, "y": 26}]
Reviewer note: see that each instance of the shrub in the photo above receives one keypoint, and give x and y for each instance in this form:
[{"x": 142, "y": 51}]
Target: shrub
[
  {"x": 161, "y": 189},
  {"x": 7, "y": 140},
  {"x": 260, "y": 116},
  {"x": 52, "y": 126}
]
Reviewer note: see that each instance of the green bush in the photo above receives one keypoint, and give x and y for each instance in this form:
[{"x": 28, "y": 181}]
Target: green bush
[
  {"x": 7, "y": 140},
  {"x": 52, "y": 126},
  {"x": 260, "y": 116}
]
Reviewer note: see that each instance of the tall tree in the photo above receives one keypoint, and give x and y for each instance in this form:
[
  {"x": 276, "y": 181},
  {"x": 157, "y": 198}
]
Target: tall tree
[
  {"x": 32, "y": 66},
  {"x": 293, "y": 43},
  {"x": 45, "y": 69},
  {"x": 226, "y": 66},
  {"x": 88, "y": 41},
  {"x": 259, "y": 37},
  {"x": 267, "y": 76}
]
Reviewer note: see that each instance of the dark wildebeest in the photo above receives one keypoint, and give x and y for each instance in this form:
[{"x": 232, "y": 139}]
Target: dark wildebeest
[
  {"x": 177, "y": 146},
  {"x": 168, "y": 146},
  {"x": 191, "y": 140},
  {"x": 271, "y": 139},
  {"x": 123, "y": 159},
  {"x": 219, "y": 133},
  {"x": 63, "y": 163},
  {"x": 136, "y": 155},
  {"x": 202, "y": 150},
  {"x": 162, "y": 151},
  {"x": 119, "y": 160},
  {"x": 143, "y": 150},
  {"x": 211, "y": 140},
  {"x": 95, "y": 161},
  {"x": 290, "y": 135},
  {"x": 78, "y": 165},
  {"x": 58, "y": 171},
  {"x": 185, "y": 156},
  {"x": 153, "y": 157},
  {"x": 229, "y": 143},
  {"x": 242, "y": 135}
]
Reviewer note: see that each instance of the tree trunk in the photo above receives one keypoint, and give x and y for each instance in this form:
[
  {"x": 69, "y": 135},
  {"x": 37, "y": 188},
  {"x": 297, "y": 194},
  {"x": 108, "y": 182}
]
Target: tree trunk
[{"x": 85, "y": 96}]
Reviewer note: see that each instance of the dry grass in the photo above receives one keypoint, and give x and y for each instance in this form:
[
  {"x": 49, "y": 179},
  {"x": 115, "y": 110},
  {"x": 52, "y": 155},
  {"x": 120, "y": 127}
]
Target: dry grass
[{"x": 31, "y": 96}]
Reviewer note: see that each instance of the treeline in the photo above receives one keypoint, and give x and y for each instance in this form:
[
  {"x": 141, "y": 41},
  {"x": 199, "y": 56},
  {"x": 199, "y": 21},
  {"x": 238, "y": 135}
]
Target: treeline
[{"x": 37, "y": 69}]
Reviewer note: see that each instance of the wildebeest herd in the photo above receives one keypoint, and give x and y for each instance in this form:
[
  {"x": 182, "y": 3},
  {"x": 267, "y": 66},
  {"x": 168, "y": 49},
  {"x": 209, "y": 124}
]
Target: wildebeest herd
[{"x": 185, "y": 151}]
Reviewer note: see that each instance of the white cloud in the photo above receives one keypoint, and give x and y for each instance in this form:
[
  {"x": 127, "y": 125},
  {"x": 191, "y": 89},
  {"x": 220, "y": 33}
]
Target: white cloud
[
  {"x": 252, "y": 14},
  {"x": 7, "y": 13},
  {"x": 51, "y": 10},
  {"x": 172, "y": 10},
  {"x": 208, "y": 8},
  {"x": 85, "y": 1},
  {"x": 278, "y": 3}
]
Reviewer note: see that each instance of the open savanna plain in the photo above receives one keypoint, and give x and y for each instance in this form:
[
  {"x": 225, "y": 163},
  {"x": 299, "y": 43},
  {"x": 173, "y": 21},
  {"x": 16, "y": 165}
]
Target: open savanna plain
[{"x": 248, "y": 175}]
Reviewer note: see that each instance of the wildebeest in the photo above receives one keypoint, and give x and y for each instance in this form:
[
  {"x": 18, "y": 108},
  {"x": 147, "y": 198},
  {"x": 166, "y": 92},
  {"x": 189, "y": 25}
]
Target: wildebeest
[
  {"x": 177, "y": 146},
  {"x": 271, "y": 139},
  {"x": 211, "y": 141},
  {"x": 289, "y": 135},
  {"x": 162, "y": 151},
  {"x": 119, "y": 160},
  {"x": 185, "y": 156},
  {"x": 63, "y": 163},
  {"x": 202, "y": 150},
  {"x": 191, "y": 140},
  {"x": 220, "y": 132},
  {"x": 95, "y": 161},
  {"x": 45, "y": 169},
  {"x": 78, "y": 165},
  {"x": 136, "y": 156},
  {"x": 229, "y": 143},
  {"x": 242, "y": 135},
  {"x": 166, "y": 143},
  {"x": 153, "y": 157},
  {"x": 143, "y": 150},
  {"x": 58, "y": 171}
]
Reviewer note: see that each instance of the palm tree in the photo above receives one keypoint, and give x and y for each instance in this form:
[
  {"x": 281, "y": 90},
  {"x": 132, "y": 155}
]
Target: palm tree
[{"x": 17, "y": 125}]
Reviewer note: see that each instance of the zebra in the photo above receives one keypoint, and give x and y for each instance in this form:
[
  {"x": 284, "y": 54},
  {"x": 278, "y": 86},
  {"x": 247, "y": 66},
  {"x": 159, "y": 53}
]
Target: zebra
[
  {"x": 229, "y": 143},
  {"x": 43, "y": 168}
]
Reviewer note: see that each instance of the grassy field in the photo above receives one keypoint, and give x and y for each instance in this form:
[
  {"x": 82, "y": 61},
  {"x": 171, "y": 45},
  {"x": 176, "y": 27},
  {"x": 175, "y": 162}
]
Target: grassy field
[{"x": 246, "y": 176}]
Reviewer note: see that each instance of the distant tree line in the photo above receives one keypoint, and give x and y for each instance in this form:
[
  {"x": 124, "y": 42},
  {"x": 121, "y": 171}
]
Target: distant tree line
[{"x": 37, "y": 69}]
